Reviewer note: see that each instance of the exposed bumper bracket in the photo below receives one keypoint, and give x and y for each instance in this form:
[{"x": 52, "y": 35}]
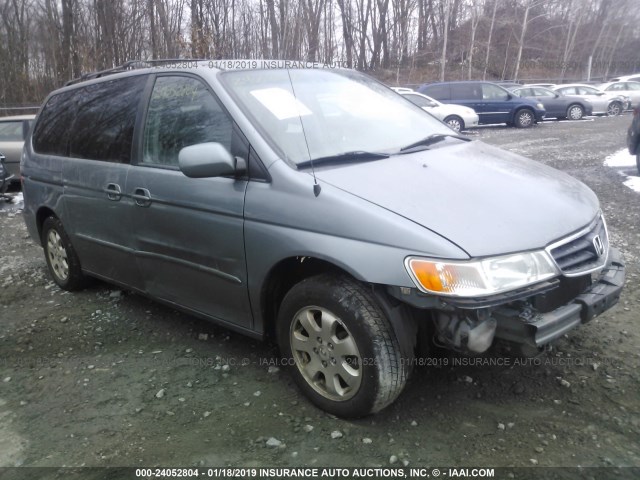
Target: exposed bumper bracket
[{"x": 543, "y": 328}]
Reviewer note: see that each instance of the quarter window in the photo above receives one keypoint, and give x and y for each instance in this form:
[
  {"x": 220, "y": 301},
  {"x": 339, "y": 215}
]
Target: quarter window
[
  {"x": 182, "y": 112},
  {"x": 51, "y": 133}
]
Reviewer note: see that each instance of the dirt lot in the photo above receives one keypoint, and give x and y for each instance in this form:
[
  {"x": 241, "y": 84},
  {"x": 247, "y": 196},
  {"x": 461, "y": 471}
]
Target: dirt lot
[{"x": 108, "y": 378}]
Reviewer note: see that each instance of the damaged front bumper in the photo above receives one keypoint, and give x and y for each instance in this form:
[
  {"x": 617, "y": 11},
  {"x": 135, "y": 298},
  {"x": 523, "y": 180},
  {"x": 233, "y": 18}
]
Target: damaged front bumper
[{"x": 535, "y": 329}]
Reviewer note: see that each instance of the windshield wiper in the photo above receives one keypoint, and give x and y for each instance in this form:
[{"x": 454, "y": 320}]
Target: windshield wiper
[
  {"x": 345, "y": 157},
  {"x": 433, "y": 138}
]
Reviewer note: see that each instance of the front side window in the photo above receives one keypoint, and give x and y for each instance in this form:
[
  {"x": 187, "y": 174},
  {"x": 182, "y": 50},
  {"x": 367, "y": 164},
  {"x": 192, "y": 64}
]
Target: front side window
[
  {"x": 310, "y": 114},
  {"x": 182, "y": 112},
  {"x": 11, "y": 131},
  {"x": 494, "y": 92}
]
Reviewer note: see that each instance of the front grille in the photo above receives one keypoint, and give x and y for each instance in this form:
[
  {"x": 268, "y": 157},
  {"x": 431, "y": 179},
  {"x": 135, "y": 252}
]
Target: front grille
[{"x": 583, "y": 253}]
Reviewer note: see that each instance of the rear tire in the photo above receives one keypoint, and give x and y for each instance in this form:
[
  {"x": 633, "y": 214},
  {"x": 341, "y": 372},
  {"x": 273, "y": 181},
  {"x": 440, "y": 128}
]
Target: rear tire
[
  {"x": 455, "y": 122},
  {"x": 62, "y": 260},
  {"x": 524, "y": 118},
  {"x": 638, "y": 161},
  {"x": 575, "y": 112},
  {"x": 340, "y": 348}
]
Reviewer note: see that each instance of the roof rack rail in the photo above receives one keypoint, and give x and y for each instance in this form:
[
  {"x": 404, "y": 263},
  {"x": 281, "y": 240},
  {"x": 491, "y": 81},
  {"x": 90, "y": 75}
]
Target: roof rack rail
[{"x": 130, "y": 65}]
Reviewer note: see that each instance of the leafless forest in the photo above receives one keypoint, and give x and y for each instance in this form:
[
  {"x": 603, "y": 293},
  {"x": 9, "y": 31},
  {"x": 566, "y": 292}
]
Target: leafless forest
[{"x": 44, "y": 43}]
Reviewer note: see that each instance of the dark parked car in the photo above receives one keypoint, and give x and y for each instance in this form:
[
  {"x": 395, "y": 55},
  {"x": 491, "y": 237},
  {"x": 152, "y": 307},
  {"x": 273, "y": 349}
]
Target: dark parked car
[
  {"x": 556, "y": 105},
  {"x": 316, "y": 207},
  {"x": 633, "y": 136},
  {"x": 492, "y": 103},
  {"x": 13, "y": 131},
  {"x": 5, "y": 177}
]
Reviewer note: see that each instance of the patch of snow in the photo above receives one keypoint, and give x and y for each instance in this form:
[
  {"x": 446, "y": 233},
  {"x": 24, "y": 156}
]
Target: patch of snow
[
  {"x": 623, "y": 159},
  {"x": 633, "y": 183}
]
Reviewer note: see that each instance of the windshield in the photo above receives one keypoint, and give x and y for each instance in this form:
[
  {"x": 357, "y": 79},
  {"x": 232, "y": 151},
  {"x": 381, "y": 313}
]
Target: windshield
[{"x": 309, "y": 114}]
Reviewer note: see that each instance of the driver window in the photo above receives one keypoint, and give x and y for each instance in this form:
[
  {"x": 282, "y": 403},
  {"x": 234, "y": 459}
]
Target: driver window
[{"x": 493, "y": 92}]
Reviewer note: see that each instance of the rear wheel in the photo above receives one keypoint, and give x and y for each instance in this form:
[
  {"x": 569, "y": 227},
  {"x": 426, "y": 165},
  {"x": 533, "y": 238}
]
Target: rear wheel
[
  {"x": 341, "y": 349},
  {"x": 62, "y": 260},
  {"x": 638, "y": 162},
  {"x": 614, "y": 108},
  {"x": 575, "y": 112},
  {"x": 524, "y": 118},
  {"x": 455, "y": 122}
]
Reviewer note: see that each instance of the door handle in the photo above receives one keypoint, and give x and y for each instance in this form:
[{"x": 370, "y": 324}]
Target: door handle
[
  {"x": 142, "y": 197},
  {"x": 113, "y": 191}
]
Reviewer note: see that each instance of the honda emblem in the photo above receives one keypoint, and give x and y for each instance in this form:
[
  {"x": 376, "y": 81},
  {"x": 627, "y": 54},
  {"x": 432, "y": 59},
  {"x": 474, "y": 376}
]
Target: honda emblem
[{"x": 598, "y": 245}]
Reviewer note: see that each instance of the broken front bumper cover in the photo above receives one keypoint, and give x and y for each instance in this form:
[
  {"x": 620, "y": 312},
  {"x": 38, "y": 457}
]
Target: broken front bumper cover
[{"x": 540, "y": 329}]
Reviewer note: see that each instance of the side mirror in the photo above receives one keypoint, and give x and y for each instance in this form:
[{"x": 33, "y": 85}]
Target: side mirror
[
  {"x": 600, "y": 94},
  {"x": 206, "y": 160}
]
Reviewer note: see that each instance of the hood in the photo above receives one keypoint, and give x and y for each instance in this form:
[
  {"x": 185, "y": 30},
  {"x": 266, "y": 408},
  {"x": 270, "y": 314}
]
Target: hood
[{"x": 485, "y": 200}]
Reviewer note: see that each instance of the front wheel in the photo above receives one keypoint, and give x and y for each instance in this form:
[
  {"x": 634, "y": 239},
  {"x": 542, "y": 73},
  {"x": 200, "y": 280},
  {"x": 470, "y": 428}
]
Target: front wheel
[
  {"x": 638, "y": 161},
  {"x": 62, "y": 260},
  {"x": 524, "y": 118},
  {"x": 575, "y": 112},
  {"x": 455, "y": 122},
  {"x": 614, "y": 108},
  {"x": 341, "y": 349}
]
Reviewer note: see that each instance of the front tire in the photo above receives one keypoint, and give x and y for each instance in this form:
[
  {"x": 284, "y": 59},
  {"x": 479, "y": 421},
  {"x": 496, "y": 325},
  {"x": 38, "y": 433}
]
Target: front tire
[
  {"x": 614, "y": 108},
  {"x": 638, "y": 161},
  {"x": 455, "y": 122},
  {"x": 339, "y": 346},
  {"x": 575, "y": 112},
  {"x": 524, "y": 118},
  {"x": 62, "y": 260}
]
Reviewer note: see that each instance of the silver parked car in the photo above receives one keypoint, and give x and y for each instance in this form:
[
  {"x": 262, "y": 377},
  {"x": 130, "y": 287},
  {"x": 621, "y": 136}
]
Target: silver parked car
[
  {"x": 457, "y": 117},
  {"x": 603, "y": 103},
  {"x": 627, "y": 89},
  {"x": 315, "y": 206},
  {"x": 555, "y": 104},
  {"x": 13, "y": 131}
]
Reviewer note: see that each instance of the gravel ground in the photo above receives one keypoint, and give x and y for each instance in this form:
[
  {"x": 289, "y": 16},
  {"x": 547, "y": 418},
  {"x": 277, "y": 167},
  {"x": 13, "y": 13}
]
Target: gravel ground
[{"x": 108, "y": 378}]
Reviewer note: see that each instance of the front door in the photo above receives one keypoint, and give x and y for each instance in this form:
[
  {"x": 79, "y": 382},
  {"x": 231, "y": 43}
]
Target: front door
[{"x": 189, "y": 231}]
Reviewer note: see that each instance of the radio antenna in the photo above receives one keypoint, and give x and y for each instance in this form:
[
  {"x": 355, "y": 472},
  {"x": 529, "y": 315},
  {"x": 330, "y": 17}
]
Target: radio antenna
[{"x": 316, "y": 186}]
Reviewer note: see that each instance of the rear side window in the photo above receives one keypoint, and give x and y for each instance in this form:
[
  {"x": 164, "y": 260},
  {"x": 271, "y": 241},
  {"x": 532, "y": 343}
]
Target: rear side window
[
  {"x": 466, "y": 91},
  {"x": 51, "y": 133},
  {"x": 103, "y": 129},
  {"x": 439, "y": 92},
  {"x": 11, "y": 131},
  {"x": 182, "y": 112}
]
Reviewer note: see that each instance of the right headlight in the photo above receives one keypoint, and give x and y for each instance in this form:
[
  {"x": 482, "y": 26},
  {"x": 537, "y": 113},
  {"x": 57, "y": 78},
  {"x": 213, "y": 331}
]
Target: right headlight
[{"x": 478, "y": 278}]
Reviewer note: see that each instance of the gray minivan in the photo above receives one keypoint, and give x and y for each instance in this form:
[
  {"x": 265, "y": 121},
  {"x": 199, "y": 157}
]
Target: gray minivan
[{"x": 315, "y": 206}]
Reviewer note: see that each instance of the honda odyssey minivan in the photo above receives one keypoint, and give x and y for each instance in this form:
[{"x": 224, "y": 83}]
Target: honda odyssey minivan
[{"x": 317, "y": 207}]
